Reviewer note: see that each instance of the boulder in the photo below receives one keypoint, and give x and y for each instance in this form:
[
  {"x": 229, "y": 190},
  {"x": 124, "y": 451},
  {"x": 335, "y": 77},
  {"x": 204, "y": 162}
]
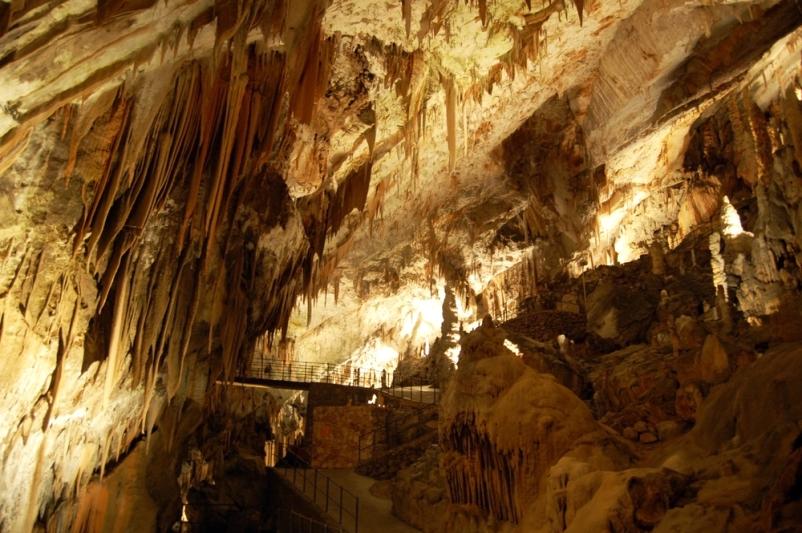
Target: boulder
[
  {"x": 418, "y": 494},
  {"x": 687, "y": 402},
  {"x": 669, "y": 429},
  {"x": 647, "y": 438},
  {"x": 690, "y": 334},
  {"x": 581, "y": 499},
  {"x": 636, "y": 384},
  {"x": 622, "y": 311},
  {"x": 693, "y": 518}
]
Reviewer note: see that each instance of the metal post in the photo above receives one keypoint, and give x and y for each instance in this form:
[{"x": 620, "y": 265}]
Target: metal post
[
  {"x": 356, "y": 516},
  {"x": 327, "y": 495},
  {"x": 341, "y": 505}
]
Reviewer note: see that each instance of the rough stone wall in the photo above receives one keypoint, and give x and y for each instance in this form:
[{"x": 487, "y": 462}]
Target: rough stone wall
[
  {"x": 337, "y": 430},
  {"x": 137, "y": 256}
]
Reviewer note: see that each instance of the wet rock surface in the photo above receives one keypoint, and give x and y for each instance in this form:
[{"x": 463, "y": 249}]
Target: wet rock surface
[{"x": 689, "y": 430}]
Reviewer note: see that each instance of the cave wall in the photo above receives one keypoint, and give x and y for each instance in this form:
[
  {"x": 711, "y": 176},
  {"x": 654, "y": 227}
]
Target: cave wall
[{"x": 139, "y": 212}]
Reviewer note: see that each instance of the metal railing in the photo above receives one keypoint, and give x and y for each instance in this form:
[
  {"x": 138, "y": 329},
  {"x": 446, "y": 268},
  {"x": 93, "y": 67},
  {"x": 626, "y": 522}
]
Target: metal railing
[
  {"x": 305, "y": 372},
  {"x": 382, "y": 439},
  {"x": 415, "y": 393},
  {"x": 290, "y": 521},
  {"x": 329, "y": 496}
]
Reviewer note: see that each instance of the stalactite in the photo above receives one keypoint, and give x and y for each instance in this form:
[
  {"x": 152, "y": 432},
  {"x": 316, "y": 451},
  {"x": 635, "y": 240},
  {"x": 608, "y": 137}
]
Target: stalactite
[
  {"x": 202, "y": 138},
  {"x": 433, "y": 18},
  {"x": 55, "y": 381},
  {"x": 406, "y": 14},
  {"x": 105, "y": 187},
  {"x": 314, "y": 75},
  {"x": 161, "y": 217},
  {"x": 115, "y": 356},
  {"x": 209, "y": 101},
  {"x": 451, "y": 119},
  {"x": 580, "y": 8},
  {"x": 793, "y": 117},
  {"x": 760, "y": 140},
  {"x": 482, "y": 474}
]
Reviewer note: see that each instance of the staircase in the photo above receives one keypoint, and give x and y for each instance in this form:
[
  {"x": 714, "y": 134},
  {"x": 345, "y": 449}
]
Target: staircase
[{"x": 331, "y": 498}]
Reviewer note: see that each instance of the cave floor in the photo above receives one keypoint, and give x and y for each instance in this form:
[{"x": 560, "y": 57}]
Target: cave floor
[{"x": 375, "y": 514}]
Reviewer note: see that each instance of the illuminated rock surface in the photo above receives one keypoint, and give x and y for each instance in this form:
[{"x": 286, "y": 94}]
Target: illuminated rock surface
[{"x": 184, "y": 184}]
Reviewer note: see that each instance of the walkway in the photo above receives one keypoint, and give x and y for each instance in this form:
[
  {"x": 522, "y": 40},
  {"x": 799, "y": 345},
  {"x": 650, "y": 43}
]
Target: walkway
[
  {"x": 331, "y": 498},
  {"x": 417, "y": 393},
  {"x": 300, "y": 375},
  {"x": 375, "y": 514}
]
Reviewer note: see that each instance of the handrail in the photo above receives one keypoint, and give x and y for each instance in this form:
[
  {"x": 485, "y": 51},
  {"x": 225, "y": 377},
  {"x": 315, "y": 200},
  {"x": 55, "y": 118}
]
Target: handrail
[
  {"x": 366, "y": 378},
  {"x": 308, "y": 372},
  {"x": 373, "y": 438},
  {"x": 335, "y": 500},
  {"x": 302, "y": 523},
  {"x": 424, "y": 394}
]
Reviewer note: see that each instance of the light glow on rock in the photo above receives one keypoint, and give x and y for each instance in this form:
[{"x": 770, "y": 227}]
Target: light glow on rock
[
  {"x": 453, "y": 354},
  {"x": 476, "y": 283},
  {"x": 608, "y": 222},
  {"x": 62, "y": 420},
  {"x": 466, "y": 316},
  {"x": 374, "y": 359},
  {"x": 470, "y": 326},
  {"x": 424, "y": 318},
  {"x": 730, "y": 219},
  {"x": 511, "y": 346}
]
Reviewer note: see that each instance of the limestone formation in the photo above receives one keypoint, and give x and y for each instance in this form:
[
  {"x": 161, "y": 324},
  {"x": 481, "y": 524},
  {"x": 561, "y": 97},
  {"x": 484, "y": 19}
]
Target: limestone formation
[{"x": 579, "y": 221}]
